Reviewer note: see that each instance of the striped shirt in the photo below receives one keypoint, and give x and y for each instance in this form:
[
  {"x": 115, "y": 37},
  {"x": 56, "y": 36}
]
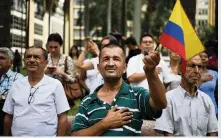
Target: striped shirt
[
  {"x": 7, "y": 79},
  {"x": 92, "y": 110}
]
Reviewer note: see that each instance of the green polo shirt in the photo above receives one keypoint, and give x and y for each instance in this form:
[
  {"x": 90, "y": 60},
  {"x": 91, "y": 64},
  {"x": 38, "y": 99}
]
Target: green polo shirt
[{"x": 92, "y": 110}]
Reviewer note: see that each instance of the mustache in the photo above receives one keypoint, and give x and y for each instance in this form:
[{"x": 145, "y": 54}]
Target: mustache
[
  {"x": 195, "y": 74},
  {"x": 110, "y": 67},
  {"x": 31, "y": 63}
]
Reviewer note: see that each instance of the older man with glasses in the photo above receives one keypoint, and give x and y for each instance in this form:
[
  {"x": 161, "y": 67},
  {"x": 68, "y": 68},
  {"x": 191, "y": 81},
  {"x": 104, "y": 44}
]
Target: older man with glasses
[
  {"x": 36, "y": 105},
  {"x": 7, "y": 77}
]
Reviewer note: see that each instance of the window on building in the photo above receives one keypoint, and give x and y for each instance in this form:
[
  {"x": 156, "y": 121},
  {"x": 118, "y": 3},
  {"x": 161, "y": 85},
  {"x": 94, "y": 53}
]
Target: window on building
[
  {"x": 38, "y": 29},
  {"x": 18, "y": 23},
  {"x": 17, "y": 41},
  {"x": 19, "y": 5}
]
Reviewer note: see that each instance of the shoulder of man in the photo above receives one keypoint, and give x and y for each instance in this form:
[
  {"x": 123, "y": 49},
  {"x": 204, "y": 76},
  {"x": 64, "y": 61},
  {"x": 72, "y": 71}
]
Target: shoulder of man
[
  {"x": 86, "y": 100},
  {"x": 204, "y": 96}
]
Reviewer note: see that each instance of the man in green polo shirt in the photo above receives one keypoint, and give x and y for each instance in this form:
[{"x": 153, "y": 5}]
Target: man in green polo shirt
[{"x": 116, "y": 108}]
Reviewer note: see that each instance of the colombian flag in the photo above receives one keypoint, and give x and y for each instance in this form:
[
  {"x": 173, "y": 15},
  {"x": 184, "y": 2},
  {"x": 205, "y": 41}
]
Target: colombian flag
[{"x": 179, "y": 35}]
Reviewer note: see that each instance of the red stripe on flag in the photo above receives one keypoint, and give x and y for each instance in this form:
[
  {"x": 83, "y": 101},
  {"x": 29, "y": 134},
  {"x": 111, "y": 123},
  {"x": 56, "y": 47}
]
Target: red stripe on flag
[
  {"x": 183, "y": 66},
  {"x": 173, "y": 44}
]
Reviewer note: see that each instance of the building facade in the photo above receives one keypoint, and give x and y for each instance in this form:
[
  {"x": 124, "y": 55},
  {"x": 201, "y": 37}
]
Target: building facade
[
  {"x": 30, "y": 23},
  {"x": 205, "y": 13}
]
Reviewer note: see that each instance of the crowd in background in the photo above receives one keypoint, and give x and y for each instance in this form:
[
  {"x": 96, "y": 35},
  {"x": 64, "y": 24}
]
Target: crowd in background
[{"x": 86, "y": 76}]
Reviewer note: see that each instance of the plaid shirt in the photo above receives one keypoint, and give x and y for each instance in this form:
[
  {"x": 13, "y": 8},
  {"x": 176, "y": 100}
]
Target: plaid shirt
[{"x": 7, "y": 79}]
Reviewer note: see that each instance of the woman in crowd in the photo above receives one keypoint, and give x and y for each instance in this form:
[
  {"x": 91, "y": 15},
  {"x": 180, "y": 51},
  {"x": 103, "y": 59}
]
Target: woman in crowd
[
  {"x": 208, "y": 80},
  {"x": 59, "y": 66},
  {"x": 74, "y": 54},
  {"x": 174, "y": 67}
]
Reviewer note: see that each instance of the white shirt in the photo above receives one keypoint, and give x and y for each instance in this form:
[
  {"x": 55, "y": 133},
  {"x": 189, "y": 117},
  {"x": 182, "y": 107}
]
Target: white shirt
[
  {"x": 38, "y": 118},
  {"x": 93, "y": 78},
  {"x": 135, "y": 65},
  {"x": 186, "y": 115},
  {"x": 175, "y": 82}
]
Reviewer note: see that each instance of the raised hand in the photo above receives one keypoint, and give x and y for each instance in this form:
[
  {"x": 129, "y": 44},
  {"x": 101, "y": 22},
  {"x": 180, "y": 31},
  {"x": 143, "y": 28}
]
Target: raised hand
[
  {"x": 92, "y": 47},
  {"x": 151, "y": 61},
  {"x": 117, "y": 118}
]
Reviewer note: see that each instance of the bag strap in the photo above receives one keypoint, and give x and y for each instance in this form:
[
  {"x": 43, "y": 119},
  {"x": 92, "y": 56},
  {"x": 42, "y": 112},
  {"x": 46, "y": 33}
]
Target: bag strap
[{"x": 66, "y": 64}]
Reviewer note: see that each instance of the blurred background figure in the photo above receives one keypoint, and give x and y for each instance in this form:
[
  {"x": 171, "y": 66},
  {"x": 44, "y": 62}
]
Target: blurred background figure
[
  {"x": 59, "y": 65},
  {"x": 208, "y": 80},
  {"x": 7, "y": 78},
  {"x": 174, "y": 70},
  {"x": 17, "y": 61},
  {"x": 74, "y": 54},
  {"x": 56, "y": 60},
  {"x": 132, "y": 46},
  {"x": 109, "y": 39}
]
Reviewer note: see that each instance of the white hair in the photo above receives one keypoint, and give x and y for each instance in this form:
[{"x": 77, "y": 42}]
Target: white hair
[{"x": 7, "y": 52}]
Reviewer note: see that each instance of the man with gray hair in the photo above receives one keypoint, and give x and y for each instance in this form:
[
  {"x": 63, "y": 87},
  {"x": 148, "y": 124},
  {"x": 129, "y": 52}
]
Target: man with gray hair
[{"x": 7, "y": 77}]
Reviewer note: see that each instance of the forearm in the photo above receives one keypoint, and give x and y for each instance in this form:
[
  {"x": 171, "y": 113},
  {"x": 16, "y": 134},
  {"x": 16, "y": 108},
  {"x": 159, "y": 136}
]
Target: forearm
[
  {"x": 137, "y": 77},
  {"x": 81, "y": 59},
  {"x": 7, "y": 125},
  {"x": 212, "y": 134},
  {"x": 157, "y": 90},
  {"x": 167, "y": 134},
  {"x": 95, "y": 130},
  {"x": 62, "y": 129}
]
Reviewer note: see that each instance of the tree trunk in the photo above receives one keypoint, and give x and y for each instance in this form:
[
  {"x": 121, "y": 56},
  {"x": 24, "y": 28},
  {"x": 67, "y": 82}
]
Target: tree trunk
[
  {"x": 109, "y": 16},
  {"x": 137, "y": 20},
  {"x": 86, "y": 17}
]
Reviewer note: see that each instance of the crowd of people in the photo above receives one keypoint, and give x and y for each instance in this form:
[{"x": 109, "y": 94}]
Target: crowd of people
[{"x": 118, "y": 91}]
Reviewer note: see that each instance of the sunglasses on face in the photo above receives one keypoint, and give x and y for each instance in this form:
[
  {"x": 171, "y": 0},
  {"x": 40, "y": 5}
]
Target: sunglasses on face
[
  {"x": 51, "y": 47},
  {"x": 2, "y": 58}
]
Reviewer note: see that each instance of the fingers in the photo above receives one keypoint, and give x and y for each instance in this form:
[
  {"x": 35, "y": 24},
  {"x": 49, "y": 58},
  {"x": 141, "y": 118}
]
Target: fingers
[
  {"x": 151, "y": 60},
  {"x": 114, "y": 108},
  {"x": 126, "y": 122},
  {"x": 122, "y": 110},
  {"x": 127, "y": 116}
]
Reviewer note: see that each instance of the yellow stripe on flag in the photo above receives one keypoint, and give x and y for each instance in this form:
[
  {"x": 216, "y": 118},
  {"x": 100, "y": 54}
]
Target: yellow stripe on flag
[{"x": 192, "y": 43}]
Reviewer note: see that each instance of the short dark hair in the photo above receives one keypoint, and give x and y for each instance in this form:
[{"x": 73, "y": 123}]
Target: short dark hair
[
  {"x": 131, "y": 40},
  {"x": 111, "y": 46},
  {"x": 111, "y": 38},
  {"x": 44, "y": 52},
  {"x": 144, "y": 35},
  {"x": 55, "y": 37}
]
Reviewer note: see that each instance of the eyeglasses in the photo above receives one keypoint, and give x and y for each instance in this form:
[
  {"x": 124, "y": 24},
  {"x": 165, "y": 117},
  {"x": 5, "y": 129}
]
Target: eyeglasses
[
  {"x": 195, "y": 65},
  {"x": 31, "y": 95},
  {"x": 2, "y": 58},
  {"x": 4, "y": 94},
  {"x": 147, "y": 42},
  {"x": 51, "y": 47}
]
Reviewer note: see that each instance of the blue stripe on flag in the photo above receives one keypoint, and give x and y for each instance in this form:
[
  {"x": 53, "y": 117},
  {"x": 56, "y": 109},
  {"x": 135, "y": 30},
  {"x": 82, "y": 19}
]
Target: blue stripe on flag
[{"x": 175, "y": 31}]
